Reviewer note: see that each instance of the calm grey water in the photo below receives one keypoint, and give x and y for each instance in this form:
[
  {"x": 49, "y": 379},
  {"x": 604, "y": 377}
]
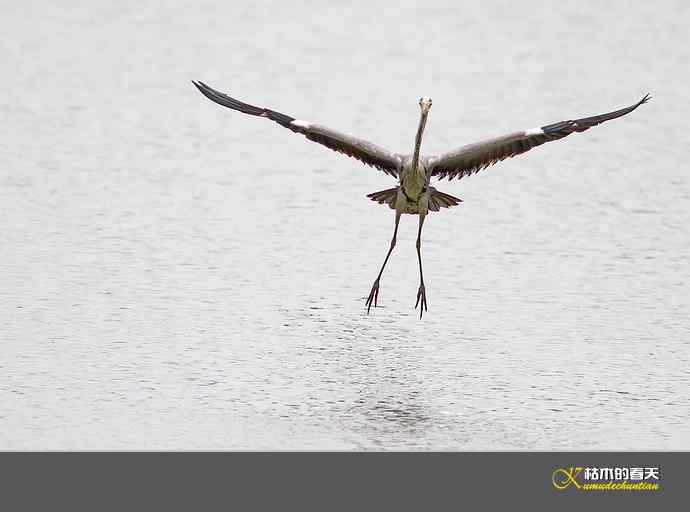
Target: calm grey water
[{"x": 175, "y": 275}]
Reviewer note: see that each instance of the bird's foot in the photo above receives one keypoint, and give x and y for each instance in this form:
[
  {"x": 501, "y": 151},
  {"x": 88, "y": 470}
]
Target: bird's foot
[
  {"x": 421, "y": 297},
  {"x": 373, "y": 296}
]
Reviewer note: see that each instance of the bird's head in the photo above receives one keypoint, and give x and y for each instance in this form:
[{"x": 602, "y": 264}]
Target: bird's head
[{"x": 425, "y": 104}]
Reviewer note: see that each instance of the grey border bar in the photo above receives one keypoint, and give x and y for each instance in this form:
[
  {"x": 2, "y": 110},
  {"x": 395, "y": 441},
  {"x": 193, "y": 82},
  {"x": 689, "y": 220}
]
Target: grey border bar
[{"x": 325, "y": 481}]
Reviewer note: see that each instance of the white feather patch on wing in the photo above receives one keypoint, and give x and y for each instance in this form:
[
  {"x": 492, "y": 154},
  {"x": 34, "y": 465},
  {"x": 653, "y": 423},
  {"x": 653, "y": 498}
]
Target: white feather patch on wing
[
  {"x": 301, "y": 124},
  {"x": 534, "y": 131}
]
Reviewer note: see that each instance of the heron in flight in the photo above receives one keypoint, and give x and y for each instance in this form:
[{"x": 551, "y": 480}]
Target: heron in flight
[{"x": 414, "y": 194}]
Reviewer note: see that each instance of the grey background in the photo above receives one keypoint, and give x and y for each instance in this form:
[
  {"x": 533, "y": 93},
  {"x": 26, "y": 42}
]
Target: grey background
[
  {"x": 325, "y": 481},
  {"x": 175, "y": 275}
]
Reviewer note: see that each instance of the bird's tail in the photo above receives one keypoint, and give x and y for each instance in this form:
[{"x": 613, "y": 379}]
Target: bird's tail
[
  {"x": 440, "y": 200},
  {"x": 385, "y": 197},
  {"x": 437, "y": 199}
]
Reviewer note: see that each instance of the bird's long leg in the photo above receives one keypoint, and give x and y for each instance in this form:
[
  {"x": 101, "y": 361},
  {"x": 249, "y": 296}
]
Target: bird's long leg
[
  {"x": 421, "y": 294},
  {"x": 374, "y": 294}
]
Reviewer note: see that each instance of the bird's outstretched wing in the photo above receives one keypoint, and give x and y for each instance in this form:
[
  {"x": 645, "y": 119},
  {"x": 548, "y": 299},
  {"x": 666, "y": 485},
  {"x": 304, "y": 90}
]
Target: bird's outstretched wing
[
  {"x": 475, "y": 157},
  {"x": 362, "y": 150}
]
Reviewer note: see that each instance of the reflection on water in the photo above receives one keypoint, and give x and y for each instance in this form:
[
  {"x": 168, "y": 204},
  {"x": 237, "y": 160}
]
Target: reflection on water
[
  {"x": 175, "y": 275},
  {"x": 385, "y": 389}
]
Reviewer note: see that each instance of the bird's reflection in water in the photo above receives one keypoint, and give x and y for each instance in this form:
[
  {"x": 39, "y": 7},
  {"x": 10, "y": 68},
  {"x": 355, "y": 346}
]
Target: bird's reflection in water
[
  {"x": 382, "y": 397},
  {"x": 405, "y": 413}
]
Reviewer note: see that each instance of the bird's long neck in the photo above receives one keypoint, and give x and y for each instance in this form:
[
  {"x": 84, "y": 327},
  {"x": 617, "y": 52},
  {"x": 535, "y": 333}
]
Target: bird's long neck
[{"x": 418, "y": 141}]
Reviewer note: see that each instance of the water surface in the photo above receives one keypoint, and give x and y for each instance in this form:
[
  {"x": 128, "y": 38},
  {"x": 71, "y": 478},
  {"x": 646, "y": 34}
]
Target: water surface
[{"x": 175, "y": 275}]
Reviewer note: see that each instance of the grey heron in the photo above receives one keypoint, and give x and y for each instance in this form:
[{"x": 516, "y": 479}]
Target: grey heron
[{"x": 413, "y": 193}]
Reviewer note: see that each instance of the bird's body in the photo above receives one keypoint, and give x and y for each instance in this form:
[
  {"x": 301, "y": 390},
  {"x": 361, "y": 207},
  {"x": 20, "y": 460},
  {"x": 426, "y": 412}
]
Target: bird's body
[
  {"x": 414, "y": 194},
  {"x": 413, "y": 191}
]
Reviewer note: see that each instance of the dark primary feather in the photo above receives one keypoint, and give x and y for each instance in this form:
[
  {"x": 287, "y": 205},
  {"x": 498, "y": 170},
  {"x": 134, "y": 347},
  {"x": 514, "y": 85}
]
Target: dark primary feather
[
  {"x": 362, "y": 150},
  {"x": 227, "y": 101},
  {"x": 475, "y": 157}
]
